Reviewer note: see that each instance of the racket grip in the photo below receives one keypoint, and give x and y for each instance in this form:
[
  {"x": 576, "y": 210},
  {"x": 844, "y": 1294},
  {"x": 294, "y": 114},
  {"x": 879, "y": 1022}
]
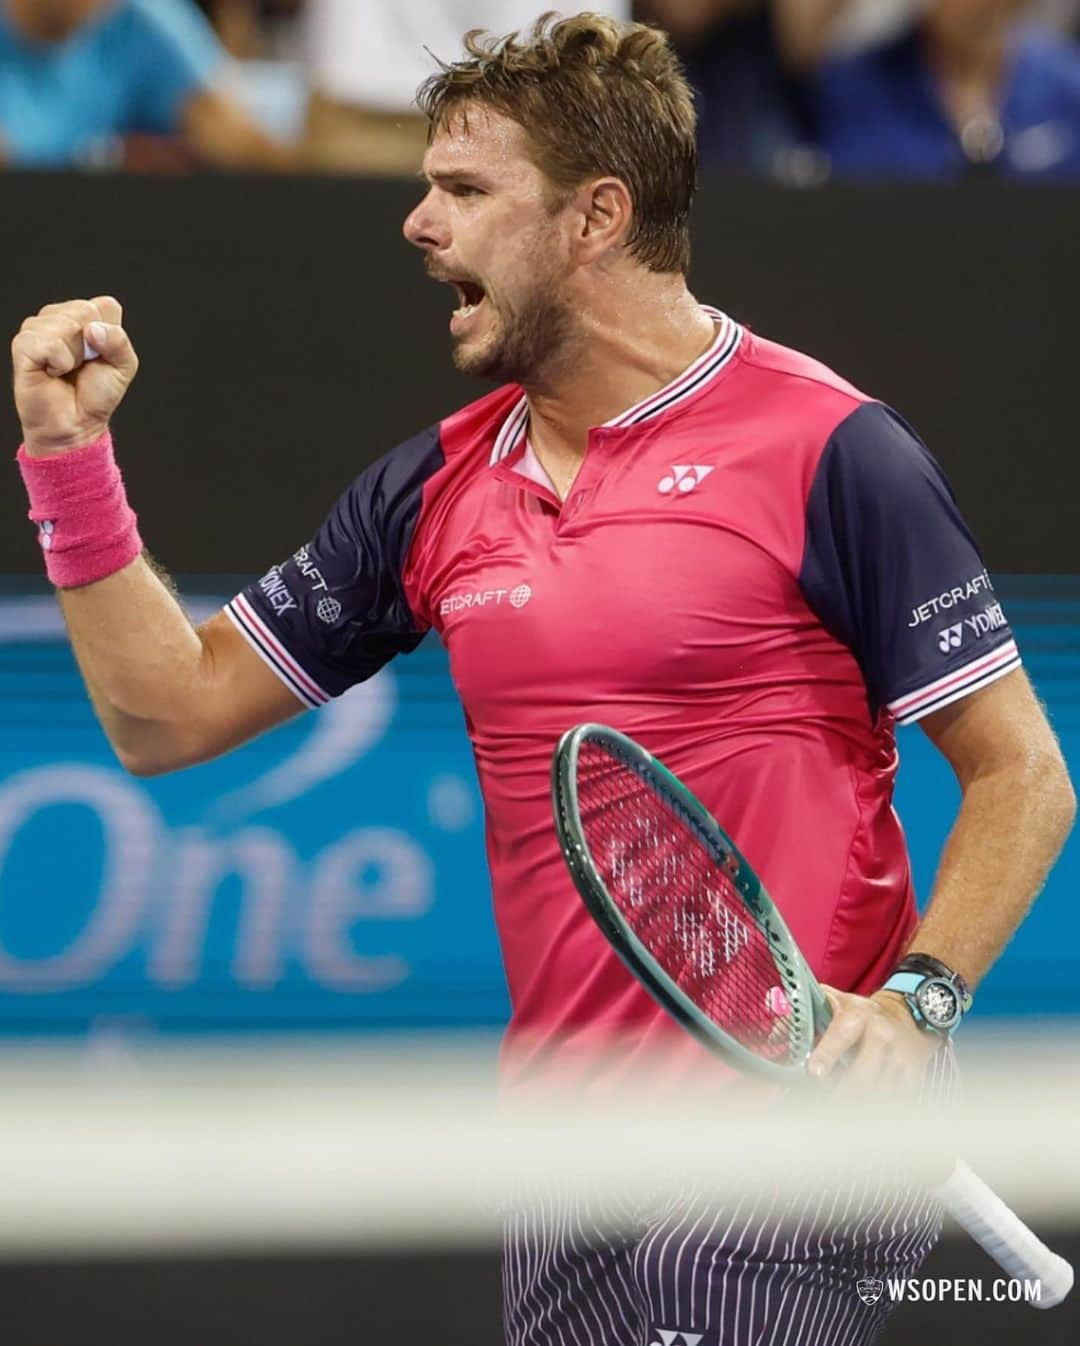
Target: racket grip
[{"x": 1004, "y": 1236}]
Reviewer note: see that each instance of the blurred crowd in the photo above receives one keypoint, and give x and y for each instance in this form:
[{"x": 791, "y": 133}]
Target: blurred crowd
[{"x": 796, "y": 90}]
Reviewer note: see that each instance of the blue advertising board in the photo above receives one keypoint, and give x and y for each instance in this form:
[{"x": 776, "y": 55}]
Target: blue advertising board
[{"x": 332, "y": 873}]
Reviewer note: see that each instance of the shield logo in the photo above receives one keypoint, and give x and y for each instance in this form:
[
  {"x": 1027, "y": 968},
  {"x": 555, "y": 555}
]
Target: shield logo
[{"x": 870, "y": 1289}]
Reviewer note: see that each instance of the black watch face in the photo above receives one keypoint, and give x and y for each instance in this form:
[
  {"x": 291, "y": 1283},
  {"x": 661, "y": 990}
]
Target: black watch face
[{"x": 938, "y": 1003}]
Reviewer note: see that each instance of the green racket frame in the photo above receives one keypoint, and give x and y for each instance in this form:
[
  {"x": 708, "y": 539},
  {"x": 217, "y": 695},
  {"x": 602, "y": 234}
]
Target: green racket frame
[{"x": 809, "y": 1008}]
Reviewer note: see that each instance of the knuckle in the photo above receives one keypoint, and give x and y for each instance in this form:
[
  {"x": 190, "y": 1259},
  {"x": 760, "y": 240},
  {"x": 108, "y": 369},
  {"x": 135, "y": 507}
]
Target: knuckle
[
  {"x": 79, "y": 311},
  {"x": 57, "y": 327},
  {"x": 109, "y": 308}
]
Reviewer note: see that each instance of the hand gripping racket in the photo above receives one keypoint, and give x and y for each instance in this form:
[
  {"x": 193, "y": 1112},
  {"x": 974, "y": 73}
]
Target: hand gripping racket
[{"x": 693, "y": 923}]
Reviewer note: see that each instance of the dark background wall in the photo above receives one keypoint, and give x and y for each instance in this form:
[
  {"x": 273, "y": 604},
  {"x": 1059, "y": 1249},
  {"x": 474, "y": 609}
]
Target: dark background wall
[{"x": 288, "y": 336}]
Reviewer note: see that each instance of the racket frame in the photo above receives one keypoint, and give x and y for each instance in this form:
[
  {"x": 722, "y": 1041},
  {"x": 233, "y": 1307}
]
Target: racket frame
[
  {"x": 809, "y": 1008},
  {"x": 974, "y": 1205}
]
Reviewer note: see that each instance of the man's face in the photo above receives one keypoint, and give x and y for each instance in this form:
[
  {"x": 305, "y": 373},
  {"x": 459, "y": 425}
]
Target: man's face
[
  {"x": 487, "y": 226},
  {"x": 53, "y": 20}
]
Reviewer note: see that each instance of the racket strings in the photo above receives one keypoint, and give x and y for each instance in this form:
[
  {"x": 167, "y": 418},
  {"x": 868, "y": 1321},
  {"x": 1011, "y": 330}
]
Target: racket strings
[{"x": 682, "y": 904}]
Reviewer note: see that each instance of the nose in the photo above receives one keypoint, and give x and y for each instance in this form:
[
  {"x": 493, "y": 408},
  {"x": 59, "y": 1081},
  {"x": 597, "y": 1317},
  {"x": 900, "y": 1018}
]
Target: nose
[{"x": 425, "y": 227}]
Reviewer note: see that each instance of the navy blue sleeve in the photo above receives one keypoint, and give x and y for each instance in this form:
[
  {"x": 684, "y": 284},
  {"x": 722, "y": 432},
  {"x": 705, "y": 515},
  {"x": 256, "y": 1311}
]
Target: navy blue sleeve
[
  {"x": 335, "y": 612},
  {"x": 891, "y": 569}
]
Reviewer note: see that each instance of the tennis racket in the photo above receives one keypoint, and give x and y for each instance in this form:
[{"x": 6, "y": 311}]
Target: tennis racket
[{"x": 694, "y": 924}]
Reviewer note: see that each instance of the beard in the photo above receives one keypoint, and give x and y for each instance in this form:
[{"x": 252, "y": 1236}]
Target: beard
[{"x": 524, "y": 344}]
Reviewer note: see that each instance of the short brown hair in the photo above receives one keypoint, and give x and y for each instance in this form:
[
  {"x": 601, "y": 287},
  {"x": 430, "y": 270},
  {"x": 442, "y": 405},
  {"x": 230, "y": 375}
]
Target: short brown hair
[{"x": 595, "y": 98}]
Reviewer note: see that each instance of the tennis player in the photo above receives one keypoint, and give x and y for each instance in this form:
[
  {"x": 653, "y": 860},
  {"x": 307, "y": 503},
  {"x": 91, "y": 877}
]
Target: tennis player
[{"x": 658, "y": 520}]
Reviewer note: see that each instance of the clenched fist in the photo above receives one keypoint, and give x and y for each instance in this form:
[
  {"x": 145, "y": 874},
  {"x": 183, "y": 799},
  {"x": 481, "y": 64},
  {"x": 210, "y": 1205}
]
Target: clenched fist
[{"x": 64, "y": 400}]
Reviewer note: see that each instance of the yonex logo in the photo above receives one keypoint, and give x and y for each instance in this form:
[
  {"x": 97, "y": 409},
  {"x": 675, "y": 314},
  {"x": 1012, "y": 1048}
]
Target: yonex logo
[
  {"x": 950, "y": 638},
  {"x": 683, "y": 477},
  {"x": 676, "y": 1338}
]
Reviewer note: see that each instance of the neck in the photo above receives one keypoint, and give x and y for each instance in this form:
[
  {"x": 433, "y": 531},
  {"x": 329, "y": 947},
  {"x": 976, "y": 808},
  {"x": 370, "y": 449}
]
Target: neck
[{"x": 637, "y": 338}]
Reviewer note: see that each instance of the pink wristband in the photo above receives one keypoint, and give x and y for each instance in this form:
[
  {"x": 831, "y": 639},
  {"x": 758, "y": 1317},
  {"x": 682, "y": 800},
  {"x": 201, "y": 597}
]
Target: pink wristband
[{"x": 86, "y": 527}]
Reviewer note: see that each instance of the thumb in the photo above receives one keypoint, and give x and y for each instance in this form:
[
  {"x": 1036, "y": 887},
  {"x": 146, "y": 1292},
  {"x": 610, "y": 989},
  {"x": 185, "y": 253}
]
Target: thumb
[{"x": 111, "y": 342}]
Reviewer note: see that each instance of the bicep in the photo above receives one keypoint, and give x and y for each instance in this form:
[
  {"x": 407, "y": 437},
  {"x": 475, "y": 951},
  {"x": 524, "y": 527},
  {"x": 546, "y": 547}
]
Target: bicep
[
  {"x": 998, "y": 727},
  {"x": 326, "y": 618},
  {"x": 239, "y": 696}
]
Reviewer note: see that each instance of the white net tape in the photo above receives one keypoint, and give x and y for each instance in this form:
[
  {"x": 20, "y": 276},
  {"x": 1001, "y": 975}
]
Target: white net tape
[{"x": 403, "y": 1143}]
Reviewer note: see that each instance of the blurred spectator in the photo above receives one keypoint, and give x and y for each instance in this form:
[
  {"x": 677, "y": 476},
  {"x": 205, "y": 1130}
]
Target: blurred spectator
[
  {"x": 1061, "y": 14},
  {"x": 967, "y": 86},
  {"x": 368, "y": 57},
  {"x": 253, "y": 30},
  {"x": 86, "y": 82},
  {"x": 268, "y": 74},
  {"x": 747, "y": 60}
]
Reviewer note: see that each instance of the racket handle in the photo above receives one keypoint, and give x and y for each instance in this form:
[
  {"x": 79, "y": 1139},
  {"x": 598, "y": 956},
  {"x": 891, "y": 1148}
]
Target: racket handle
[{"x": 1004, "y": 1236}]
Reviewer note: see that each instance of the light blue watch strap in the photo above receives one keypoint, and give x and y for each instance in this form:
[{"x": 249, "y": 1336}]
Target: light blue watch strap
[
  {"x": 904, "y": 982},
  {"x": 907, "y": 983}
]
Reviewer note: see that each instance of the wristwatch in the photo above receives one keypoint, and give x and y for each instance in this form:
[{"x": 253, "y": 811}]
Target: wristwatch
[{"x": 937, "y": 997}]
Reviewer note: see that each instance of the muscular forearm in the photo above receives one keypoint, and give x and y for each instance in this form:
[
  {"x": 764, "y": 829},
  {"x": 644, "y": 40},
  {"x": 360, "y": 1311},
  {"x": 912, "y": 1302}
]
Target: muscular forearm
[
  {"x": 168, "y": 696},
  {"x": 1012, "y": 824},
  {"x": 142, "y": 661}
]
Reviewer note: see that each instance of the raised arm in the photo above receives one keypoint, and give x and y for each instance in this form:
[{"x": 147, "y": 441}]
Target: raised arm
[{"x": 167, "y": 694}]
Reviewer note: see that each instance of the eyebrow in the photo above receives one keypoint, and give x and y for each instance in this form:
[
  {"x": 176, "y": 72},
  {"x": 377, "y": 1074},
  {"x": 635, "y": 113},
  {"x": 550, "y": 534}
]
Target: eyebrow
[{"x": 442, "y": 176}]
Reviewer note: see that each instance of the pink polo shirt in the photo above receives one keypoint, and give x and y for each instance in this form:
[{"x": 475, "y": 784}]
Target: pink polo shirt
[{"x": 757, "y": 573}]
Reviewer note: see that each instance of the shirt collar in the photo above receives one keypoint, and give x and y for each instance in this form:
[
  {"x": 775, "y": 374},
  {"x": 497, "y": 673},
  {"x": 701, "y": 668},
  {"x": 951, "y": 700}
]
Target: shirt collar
[{"x": 692, "y": 380}]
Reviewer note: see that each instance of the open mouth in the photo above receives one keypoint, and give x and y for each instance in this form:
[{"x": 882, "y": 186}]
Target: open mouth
[{"x": 470, "y": 297}]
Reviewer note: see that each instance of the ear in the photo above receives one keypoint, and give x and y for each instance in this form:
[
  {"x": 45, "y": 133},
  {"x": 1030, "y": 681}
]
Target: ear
[{"x": 605, "y": 215}]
